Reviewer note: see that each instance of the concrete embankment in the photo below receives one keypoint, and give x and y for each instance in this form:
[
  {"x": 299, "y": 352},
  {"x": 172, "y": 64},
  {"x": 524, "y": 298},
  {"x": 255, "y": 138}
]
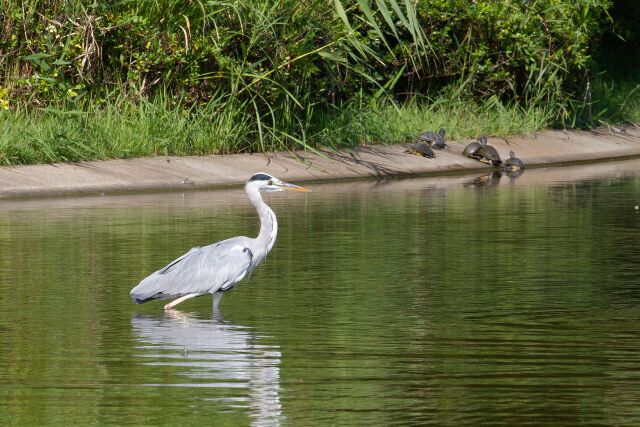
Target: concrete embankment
[{"x": 545, "y": 148}]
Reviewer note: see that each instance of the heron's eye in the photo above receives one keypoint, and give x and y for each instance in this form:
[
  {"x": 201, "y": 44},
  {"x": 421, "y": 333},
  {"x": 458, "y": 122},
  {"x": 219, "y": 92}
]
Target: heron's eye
[{"x": 270, "y": 182}]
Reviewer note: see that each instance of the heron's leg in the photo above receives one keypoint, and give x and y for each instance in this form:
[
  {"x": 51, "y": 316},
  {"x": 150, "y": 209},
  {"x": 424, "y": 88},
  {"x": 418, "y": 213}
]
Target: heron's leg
[
  {"x": 217, "y": 296},
  {"x": 217, "y": 315},
  {"x": 179, "y": 300}
]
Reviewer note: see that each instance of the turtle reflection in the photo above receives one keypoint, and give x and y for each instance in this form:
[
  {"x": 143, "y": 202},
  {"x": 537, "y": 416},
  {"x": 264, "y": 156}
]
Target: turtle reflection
[
  {"x": 513, "y": 175},
  {"x": 493, "y": 178},
  {"x": 489, "y": 180}
]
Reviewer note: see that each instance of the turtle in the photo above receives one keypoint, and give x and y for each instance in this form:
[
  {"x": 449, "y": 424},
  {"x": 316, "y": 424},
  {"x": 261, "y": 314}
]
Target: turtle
[
  {"x": 513, "y": 164},
  {"x": 436, "y": 140},
  {"x": 487, "y": 154},
  {"x": 422, "y": 150},
  {"x": 470, "y": 150}
]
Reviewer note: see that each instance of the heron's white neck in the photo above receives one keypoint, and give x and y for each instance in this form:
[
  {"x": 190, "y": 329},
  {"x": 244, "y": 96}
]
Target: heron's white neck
[{"x": 268, "y": 222}]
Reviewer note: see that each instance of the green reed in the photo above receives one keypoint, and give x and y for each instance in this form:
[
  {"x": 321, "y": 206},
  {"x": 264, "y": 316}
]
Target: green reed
[{"x": 161, "y": 77}]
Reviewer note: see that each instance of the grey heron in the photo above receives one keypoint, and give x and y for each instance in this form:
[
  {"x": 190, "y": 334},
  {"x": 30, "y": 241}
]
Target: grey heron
[{"x": 218, "y": 267}]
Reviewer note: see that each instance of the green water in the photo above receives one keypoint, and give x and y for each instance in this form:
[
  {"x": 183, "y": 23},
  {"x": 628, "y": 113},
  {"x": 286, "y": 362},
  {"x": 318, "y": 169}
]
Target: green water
[{"x": 414, "y": 301}]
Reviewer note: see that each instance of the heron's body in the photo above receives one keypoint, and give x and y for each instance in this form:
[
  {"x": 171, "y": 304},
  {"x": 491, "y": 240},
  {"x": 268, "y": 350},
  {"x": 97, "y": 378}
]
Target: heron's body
[
  {"x": 435, "y": 140},
  {"x": 513, "y": 164},
  {"x": 218, "y": 267},
  {"x": 421, "y": 150},
  {"x": 201, "y": 271}
]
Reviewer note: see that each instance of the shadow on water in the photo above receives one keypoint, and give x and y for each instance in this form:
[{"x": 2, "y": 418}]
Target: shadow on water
[{"x": 212, "y": 354}]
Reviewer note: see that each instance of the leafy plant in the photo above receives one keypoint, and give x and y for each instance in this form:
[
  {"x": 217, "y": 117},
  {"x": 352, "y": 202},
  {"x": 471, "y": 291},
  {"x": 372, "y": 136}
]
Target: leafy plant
[{"x": 221, "y": 76}]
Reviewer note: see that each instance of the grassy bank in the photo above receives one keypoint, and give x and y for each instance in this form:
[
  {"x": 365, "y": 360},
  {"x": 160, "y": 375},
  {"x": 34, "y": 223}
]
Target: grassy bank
[
  {"x": 614, "y": 99},
  {"x": 141, "y": 78},
  {"x": 121, "y": 128}
]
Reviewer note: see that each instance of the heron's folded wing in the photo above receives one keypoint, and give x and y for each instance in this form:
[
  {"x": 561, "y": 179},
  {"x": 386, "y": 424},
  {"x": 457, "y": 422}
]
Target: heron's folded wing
[
  {"x": 225, "y": 264},
  {"x": 201, "y": 270},
  {"x": 175, "y": 263}
]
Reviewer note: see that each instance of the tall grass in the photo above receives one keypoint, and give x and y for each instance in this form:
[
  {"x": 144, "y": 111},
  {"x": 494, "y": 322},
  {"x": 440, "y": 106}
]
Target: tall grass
[
  {"x": 124, "y": 129},
  {"x": 615, "y": 99},
  {"x": 118, "y": 128},
  {"x": 159, "y": 77}
]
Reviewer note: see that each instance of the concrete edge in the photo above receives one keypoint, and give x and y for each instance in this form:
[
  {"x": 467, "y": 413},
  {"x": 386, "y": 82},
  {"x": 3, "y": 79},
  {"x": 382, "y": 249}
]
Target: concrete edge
[{"x": 546, "y": 148}]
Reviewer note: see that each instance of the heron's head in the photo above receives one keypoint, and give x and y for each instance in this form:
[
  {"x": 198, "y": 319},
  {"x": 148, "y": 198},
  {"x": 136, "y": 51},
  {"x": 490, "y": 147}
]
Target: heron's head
[{"x": 265, "y": 182}]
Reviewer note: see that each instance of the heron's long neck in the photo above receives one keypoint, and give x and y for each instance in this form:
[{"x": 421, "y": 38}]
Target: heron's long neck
[{"x": 268, "y": 222}]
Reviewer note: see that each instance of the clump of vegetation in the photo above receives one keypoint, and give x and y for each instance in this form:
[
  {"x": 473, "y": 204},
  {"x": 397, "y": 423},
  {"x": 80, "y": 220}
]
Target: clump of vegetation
[{"x": 123, "y": 79}]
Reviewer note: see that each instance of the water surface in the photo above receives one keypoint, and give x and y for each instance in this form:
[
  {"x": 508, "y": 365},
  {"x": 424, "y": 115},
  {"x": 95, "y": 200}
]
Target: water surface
[{"x": 430, "y": 300}]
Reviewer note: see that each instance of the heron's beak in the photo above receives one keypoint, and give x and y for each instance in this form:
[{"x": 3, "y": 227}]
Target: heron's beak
[{"x": 287, "y": 186}]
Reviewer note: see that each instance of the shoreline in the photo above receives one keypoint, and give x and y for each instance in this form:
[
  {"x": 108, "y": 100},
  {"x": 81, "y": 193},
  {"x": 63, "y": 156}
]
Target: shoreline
[{"x": 545, "y": 149}]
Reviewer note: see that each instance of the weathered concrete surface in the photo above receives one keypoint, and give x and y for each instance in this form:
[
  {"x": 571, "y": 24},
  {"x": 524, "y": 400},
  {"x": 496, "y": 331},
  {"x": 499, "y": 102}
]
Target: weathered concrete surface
[
  {"x": 233, "y": 196},
  {"x": 366, "y": 161}
]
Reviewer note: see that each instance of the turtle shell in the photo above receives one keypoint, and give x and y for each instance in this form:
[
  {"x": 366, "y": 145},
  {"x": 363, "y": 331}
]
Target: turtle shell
[
  {"x": 428, "y": 137},
  {"x": 471, "y": 149},
  {"x": 488, "y": 154},
  {"x": 422, "y": 150},
  {"x": 436, "y": 140},
  {"x": 513, "y": 163}
]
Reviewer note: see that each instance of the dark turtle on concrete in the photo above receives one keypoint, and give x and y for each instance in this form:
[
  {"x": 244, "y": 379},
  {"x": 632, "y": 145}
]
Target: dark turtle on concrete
[
  {"x": 513, "y": 164},
  {"x": 470, "y": 150},
  {"x": 435, "y": 140},
  {"x": 487, "y": 154},
  {"x": 422, "y": 150}
]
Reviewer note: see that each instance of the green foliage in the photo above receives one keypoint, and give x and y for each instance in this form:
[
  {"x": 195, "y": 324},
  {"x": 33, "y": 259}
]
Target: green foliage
[
  {"x": 615, "y": 99},
  {"x": 268, "y": 74},
  {"x": 622, "y": 34},
  {"x": 276, "y": 48},
  {"x": 121, "y": 128}
]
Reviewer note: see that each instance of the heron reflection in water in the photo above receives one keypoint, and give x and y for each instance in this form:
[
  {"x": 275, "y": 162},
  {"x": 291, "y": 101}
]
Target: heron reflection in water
[
  {"x": 226, "y": 364},
  {"x": 217, "y": 268}
]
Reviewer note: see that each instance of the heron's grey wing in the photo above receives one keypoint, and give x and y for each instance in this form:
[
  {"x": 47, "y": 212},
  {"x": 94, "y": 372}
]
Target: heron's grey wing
[
  {"x": 201, "y": 270},
  {"x": 173, "y": 264}
]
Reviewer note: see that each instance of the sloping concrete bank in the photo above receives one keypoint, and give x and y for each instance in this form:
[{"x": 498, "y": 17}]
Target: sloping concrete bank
[{"x": 546, "y": 148}]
